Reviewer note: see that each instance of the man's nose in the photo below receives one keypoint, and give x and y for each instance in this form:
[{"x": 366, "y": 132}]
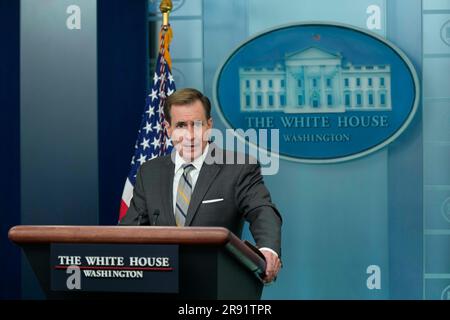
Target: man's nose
[{"x": 190, "y": 134}]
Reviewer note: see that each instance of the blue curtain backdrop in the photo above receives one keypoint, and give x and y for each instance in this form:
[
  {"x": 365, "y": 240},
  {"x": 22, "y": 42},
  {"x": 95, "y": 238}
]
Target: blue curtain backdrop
[{"x": 9, "y": 147}]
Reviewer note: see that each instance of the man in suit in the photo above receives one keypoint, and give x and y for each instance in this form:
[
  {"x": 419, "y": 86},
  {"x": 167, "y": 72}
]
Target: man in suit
[{"x": 196, "y": 187}]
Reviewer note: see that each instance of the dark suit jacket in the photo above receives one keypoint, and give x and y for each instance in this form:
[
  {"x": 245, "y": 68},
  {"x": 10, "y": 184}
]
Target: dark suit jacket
[{"x": 245, "y": 197}]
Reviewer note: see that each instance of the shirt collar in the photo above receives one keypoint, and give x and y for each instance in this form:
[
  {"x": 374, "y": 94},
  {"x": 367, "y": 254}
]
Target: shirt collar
[{"x": 197, "y": 163}]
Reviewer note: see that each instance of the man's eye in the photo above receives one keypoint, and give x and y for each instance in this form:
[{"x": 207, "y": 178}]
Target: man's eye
[
  {"x": 181, "y": 125},
  {"x": 198, "y": 124}
]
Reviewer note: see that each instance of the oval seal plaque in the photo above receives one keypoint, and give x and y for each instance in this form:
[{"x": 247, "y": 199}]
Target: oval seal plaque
[{"x": 335, "y": 92}]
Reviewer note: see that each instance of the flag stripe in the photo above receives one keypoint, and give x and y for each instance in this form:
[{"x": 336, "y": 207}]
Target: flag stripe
[
  {"x": 123, "y": 209},
  {"x": 127, "y": 192}
]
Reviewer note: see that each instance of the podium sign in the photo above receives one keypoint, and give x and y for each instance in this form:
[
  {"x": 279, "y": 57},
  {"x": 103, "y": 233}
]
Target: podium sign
[
  {"x": 137, "y": 262},
  {"x": 114, "y": 268}
]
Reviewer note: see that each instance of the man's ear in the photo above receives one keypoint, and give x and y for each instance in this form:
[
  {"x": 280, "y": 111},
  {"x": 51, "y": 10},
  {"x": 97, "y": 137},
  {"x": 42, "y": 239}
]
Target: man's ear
[
  {"x": 168, "y": 127},
  {"x": 210, "y": 122}
]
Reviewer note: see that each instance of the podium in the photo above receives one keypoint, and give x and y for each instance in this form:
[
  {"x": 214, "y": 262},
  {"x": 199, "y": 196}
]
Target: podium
[{"x": 212, "y": 263}]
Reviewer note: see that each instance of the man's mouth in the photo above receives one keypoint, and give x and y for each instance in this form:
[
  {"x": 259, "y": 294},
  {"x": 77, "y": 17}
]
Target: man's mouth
[{"x": 191, "y": 146}]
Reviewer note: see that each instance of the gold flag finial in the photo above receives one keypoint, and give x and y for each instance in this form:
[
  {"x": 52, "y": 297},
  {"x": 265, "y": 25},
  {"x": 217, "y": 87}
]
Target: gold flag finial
[{"x": 165, "y": 7}]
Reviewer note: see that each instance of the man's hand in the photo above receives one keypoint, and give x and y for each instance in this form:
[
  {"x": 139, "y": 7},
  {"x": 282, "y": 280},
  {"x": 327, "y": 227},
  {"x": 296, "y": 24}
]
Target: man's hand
[{"x": 273, "y": 265}]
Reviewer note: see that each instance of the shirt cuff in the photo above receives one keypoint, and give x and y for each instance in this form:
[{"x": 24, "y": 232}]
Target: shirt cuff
[{"x": 268, "y": 249}]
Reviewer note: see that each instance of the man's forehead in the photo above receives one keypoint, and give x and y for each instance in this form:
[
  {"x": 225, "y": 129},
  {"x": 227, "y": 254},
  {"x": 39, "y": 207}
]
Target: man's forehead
[
  {"x": 194, "y": 104},
  {"x": 188, "y": 112},
  {"x": 190, "y": 121}
]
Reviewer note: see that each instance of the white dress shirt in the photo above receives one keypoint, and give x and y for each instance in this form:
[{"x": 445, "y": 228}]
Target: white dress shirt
[{"x": 197, "y": 163}]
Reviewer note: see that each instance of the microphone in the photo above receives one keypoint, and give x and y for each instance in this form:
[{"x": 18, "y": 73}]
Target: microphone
[
  {"x": 155, "y": 217},
  {"x": 141, "y": 213}
]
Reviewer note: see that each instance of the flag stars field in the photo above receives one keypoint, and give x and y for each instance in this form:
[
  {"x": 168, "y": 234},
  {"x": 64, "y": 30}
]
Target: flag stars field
[
  {"x": 150, "y": 111},
  {"x": 148, "y": 128},
  {"x": 153, "y": 95},
  {"x": 145, "y": 144}
]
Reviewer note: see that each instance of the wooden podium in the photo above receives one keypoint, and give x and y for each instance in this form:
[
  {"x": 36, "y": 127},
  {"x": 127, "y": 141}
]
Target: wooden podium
[{"x": 212, "y": 262}]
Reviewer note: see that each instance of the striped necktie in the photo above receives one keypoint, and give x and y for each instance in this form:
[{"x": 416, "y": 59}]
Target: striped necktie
[{"x": 184, "y": 193}]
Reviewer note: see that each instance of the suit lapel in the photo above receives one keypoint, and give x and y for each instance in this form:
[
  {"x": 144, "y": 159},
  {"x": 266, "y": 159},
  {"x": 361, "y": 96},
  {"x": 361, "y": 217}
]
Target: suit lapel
[
  {"x": 205, "y": 178},
  {"x": 168, "y": 171}
]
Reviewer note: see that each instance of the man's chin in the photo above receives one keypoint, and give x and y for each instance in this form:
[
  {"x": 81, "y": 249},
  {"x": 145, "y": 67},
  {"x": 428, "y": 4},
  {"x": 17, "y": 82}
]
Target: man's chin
[{"x": 190, "y": 154}]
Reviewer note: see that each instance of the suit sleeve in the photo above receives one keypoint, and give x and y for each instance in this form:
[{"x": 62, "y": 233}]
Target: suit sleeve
[
  {"x": 253, "y": 200},
  {"x": 137, "y": 205}
]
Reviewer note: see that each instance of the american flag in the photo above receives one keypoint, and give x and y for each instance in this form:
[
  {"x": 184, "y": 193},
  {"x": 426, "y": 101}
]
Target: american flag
[{"x": 152, "y": 140}]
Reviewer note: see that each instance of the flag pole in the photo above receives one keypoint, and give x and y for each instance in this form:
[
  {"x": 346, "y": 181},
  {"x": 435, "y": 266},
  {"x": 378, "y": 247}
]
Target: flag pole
[{"x": 165, "y": 7}]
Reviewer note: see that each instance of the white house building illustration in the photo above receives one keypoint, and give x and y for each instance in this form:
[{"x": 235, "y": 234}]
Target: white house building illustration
[{"x": 315, "y": 81}]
